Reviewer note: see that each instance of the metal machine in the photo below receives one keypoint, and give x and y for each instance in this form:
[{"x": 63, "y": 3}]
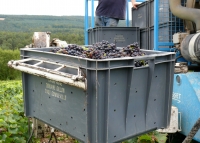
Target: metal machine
[{"x": 186, "y": 95}]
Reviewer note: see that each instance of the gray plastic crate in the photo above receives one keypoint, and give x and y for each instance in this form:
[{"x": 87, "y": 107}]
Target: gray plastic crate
[
  {"x": 144, "y": 38},
  {"x": 165, "y": 14},
  {"x": 120, "y": 101},
  {"x": 91, "y": 34},
  {"x": 121, "y": 36},
  {"x": 140, "y": 16}
]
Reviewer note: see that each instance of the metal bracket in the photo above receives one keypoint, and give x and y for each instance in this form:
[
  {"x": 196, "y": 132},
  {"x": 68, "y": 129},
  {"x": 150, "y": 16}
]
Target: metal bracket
[
  {"x": 179, "y": 125},
  {"x": 40, "y": 68}
]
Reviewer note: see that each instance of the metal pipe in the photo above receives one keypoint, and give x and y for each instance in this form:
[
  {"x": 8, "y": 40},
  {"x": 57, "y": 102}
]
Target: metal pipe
[
  {"x": 86, "y": 22},
  {"x": 92, "y": 15},
  {"x": 156, "y": 25},
  {"x": 51, "y": 76},
  {"x": 185, "y": 12},
  {"x": 127, "y": 14},
  {"x": 189, "y": 26},
  {"x": 193, "y": 132},
  {"x": 190, "y": 3}
]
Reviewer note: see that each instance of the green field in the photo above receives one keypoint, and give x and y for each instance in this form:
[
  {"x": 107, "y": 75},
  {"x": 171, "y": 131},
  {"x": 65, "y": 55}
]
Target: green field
[{"x": 13, "y": 124}]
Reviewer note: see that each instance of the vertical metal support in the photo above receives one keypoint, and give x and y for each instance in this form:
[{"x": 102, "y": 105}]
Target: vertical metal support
[
  {"x": 156, "y": 24},
  {"x": 86, "y": 22},
  {"x": 127, "y": 13},
  {"x": 39, "y": 128},
  {"x": 92, "y": 19}
]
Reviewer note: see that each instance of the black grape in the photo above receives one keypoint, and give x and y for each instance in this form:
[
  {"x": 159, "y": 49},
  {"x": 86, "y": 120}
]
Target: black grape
[{"x": 103, "y": 50}]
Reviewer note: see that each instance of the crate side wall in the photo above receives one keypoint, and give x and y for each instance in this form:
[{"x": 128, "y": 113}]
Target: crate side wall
[
  {"x": 121, "y": 36},
  {"x": 59, "y": 105},
  {"x": 140, "y": 16}
]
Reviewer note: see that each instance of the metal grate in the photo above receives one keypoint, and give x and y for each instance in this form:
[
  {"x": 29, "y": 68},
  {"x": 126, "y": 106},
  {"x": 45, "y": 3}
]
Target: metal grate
[{"x": 168, "y": 24}]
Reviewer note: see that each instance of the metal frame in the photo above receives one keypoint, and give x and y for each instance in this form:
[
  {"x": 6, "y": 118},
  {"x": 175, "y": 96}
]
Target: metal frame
[
  {"x": 156, "y": 24},
  {"x": 52, "y": 74},
  {"x": 86, "y": 26}
]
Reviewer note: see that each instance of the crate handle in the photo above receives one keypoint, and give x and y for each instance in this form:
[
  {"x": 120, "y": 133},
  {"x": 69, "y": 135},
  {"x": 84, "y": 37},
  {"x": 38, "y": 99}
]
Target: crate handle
[{"x": 52, "y": 74}]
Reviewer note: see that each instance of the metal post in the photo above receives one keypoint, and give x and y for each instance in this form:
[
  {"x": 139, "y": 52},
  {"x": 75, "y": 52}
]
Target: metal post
[
  {"x": 127, "y": 14},
  {"x": 156, "y": 24},
  {"x": 39, "y": 128},
  {"x": 92, "y": 19},
  {"x": 86, "y": 22}
]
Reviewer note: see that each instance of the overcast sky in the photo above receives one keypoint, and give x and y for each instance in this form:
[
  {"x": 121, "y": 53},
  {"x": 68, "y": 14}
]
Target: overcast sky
[
  {"x": 43, "y": 7},
  {"x": 46, "y": 7}
]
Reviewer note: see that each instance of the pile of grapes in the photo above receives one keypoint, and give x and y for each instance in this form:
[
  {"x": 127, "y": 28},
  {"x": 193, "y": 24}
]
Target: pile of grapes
[{"x": 103, "y": 50}]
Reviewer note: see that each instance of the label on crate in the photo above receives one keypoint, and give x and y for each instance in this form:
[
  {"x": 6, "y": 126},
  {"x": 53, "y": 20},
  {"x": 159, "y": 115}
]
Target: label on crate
[
  {"x": 55, "y": 89},
  {"x": 139, "y": 16},
  {"x": 119, "y": 38}
]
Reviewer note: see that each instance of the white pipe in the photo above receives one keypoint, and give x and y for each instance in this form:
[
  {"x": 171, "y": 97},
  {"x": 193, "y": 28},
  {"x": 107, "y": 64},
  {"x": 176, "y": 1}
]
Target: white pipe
[{"x": 55, "y": 77}]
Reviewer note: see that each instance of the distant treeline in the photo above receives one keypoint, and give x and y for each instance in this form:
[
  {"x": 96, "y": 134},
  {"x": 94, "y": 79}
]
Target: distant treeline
[
  {"x": 16, "y": 32},
  {"x": 27, "y": 23},
  {"x": 36, "y": 23}
]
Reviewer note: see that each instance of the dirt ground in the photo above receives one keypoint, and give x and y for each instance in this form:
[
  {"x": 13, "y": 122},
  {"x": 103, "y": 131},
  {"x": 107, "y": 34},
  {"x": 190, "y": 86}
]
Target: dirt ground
[{"x": 60, "y": 136}]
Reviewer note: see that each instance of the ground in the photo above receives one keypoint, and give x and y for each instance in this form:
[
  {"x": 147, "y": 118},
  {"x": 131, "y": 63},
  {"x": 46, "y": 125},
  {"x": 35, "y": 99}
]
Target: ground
[{"x": 61, "y": 138}]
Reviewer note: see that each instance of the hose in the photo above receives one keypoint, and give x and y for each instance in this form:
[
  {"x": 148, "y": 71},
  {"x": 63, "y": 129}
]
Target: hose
[
  {"x": 52, "y": 135},
  {"x": 30, "y": 136},
  {"x": 29, "y": 130},
  {"x": 193, "y": 131}
]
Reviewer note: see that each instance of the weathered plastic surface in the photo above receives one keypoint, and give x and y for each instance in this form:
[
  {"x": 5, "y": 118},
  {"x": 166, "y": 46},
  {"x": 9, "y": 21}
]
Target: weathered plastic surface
[
  {"x": 140, "y": 17},
  {"x": 121, "y": 36},
  {"x": 121, "y": 101},
  {"x": 144, "y": 38}
]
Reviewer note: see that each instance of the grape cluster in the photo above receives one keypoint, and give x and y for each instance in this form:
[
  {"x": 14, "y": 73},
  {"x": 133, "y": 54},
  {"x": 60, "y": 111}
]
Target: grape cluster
[
  {"x": 74, "y": 50},
  {"x": 103, "y": 50}
]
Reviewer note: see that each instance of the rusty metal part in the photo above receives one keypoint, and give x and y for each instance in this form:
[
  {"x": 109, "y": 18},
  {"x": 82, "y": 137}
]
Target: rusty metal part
[
  {"x": 41, "y": 39},
  {"x": 52, "y": 74},
  {"x": 189, "y": 25},
  {"x": 185, "y": 13},
  {"x": 178, "y": 38},
  {"x": 39, "y": 128},
  {"x": 58, "y": 43},
  {"x": 181, "y": 68}
]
